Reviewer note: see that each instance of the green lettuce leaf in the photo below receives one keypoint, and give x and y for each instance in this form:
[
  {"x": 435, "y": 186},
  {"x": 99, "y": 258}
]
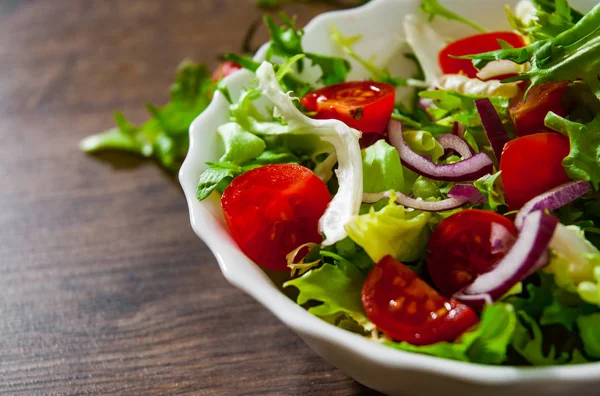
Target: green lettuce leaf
[
  {"x": 583, "y": 162},
  {"x": 337, "y": 287},
  {"x": 486, "y": 344},
  {"x": 240, "y": 146},
  {"x": 491, "y": 187},
  {"x": 382, "y": 170},
  {"x": 589, "y": 330},
  {"x": 165, "y": 135},
  {"x": 393, "y": 230}
]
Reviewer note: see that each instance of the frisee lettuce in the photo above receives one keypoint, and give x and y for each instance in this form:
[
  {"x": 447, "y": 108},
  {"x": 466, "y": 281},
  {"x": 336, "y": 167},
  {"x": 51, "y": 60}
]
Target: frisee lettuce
[{"x": 337, "y": 287}]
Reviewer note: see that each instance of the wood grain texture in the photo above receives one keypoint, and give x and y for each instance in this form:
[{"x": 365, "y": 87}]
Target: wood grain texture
[{"x": 104, "y": 288}]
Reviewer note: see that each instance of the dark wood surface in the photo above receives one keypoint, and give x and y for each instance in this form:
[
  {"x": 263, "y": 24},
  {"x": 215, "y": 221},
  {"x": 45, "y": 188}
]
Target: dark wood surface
[{"x": 104, "y": 288}]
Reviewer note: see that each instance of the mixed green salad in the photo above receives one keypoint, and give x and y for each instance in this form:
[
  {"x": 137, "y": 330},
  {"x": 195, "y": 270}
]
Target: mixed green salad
[{"x": 463, "y": 223}]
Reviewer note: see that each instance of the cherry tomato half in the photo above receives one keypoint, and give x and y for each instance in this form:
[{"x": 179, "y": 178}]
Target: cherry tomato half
[
  {"x": 465, "y": 245},
  {"x": 528, "y": 117},
  {"x": 273, "y": 209},
  {"x": 225, "y": 69},
  {"x": 363, "y": 105},
  {"x": 532, "y": 165},
  {"x": 407, "y": 309},
  {"x": 472, "y": 45}
]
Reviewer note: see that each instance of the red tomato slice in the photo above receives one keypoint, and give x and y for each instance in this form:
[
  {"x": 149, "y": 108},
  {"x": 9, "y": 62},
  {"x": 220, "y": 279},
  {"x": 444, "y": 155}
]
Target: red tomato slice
[
  {"x": 465, "y": 245},
  {"x": 472, "y": 45},
  {"x": 273, "y": 209},
  {"x": 407, "y": 309},
  {"x": 363, "y": 105},
  {"x": 532, "y": 165},
  {"x": 528, "y": 117},
  {"x": 225, "y": 69}
]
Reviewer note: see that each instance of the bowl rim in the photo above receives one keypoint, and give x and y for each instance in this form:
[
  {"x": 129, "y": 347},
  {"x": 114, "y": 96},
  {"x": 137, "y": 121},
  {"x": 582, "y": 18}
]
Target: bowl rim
[{"x": 301, "y": 321}]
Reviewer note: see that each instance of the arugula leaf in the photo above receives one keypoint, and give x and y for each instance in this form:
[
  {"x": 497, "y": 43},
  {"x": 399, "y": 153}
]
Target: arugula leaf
[
  {"x": 286, "y": 42},
  {"x": 574, "y": 54},
  {"x": 337, "y": 286},
  {"x": 382, "y": 170},
  {"x": 491, "y": 187},
  {"x": 486, "y": 344},
  {"x": 393, "y": 230},
  {"x": 165, "y": 135},
  {"x": 434, "y": 8},
  {"x": 378, "y": 74},
  {"x": 583, "y": 162}
]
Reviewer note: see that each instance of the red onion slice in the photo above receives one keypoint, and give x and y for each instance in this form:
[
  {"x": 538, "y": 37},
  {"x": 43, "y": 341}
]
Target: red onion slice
[
  {"x": 467, "y": 170},
  {"x": 492, "y": 124},
  {"x": 553, "y": 199},
  {"x": 525, "y": 255},
  {"x": 453, "y": 142},
  {"x": 459, "y": 195}
]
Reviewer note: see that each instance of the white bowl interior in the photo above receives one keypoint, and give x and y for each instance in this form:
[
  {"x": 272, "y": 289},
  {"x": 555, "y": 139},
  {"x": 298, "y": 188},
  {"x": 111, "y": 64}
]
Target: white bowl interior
[{"x": 380, "y": 24}]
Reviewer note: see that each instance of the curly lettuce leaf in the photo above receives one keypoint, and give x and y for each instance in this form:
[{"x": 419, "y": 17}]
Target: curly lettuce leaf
[
  {"x": 337, "y": 287},
  {"x": 393, "y": 230},
  {"x": 583, "y": 162},
  {"x": 165, "y": 136},
  {"x": 382, "y": 170},
  {"x": 346, "y": 203},
  {"x": 486, "y": 344}
]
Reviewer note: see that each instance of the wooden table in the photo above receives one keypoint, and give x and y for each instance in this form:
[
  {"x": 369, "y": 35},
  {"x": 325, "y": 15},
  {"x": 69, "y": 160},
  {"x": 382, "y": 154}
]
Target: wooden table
[{"x": 104, "y": 288}]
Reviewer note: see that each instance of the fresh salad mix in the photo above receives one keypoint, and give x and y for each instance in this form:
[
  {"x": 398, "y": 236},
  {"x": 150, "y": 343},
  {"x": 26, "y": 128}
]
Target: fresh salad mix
[{"x": 464, "y": 224}]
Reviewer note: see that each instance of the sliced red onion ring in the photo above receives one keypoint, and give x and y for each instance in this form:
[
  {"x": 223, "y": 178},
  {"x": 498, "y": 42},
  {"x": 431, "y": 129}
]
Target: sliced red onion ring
[
  {"x": 453, "y": 142},
  {"x": 525, "y": 255},
  {"x": 553, "y": 199},
  {"x": 459, "y": 195},
  {"x": 467, "y": 170},
  {"x": 492, "y": 124}
]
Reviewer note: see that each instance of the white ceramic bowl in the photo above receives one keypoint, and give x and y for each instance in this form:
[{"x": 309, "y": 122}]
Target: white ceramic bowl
[{"x": 376, "y": 366}]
